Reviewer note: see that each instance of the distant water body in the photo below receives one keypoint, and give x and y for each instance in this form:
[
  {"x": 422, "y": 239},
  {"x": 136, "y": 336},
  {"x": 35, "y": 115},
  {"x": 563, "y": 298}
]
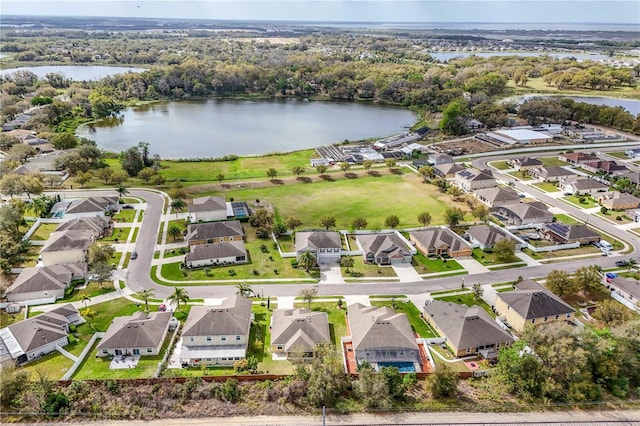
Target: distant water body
[{"x": 493, "y": 26}]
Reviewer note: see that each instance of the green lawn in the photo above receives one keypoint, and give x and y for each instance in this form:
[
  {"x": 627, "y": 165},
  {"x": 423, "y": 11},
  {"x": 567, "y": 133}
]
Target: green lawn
[
  {"x": 31, "y": 258},
  {"x": 521, "y": 175},
  {"x": 546, "y": 186},
  {"x": 367, "y": 269},
  {"x": 552, "y": 162},
  {"x": 130, "y": 200},
  {"x": 488, "y": 259},
  {"x": 614, "y": 215},
  {"x": 43, "y": 231},
  {"x": 119, "y": 234},
  {"x": 413, "y": 314},
  {"x": 619, "y": 154},
  {"x": 124, "y": 215},
  {"x": 575, "y": 200},
  {"x": 91, "y": 290},
  {"x": 469, "y": 300},
  {"x": 181, "y": 224},
  {"x": 52, "y": 366},
  {"x": 337, "y": 321},
  {"x": 347, "y": 199},
  {"x": 427, "y": 265},
  {"x": 588, "y": 249},
  {"x": 500, "y": 165},
  {"x": 569, "y": 220}
]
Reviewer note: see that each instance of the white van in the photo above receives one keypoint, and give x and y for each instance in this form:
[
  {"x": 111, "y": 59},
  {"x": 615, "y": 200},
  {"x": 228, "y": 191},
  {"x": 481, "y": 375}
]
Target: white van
[{"x": 605, "y": 246}]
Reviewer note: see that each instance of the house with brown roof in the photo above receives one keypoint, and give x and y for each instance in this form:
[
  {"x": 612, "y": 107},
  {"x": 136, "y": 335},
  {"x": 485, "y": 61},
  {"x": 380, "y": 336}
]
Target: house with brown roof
[
  {"x": 485, "y": 236},
  {"x": 584, "y": 186},
  {"x": 618, "y": 200},
  {"x": 382, "y": 337},
  {"x": 534, "y": 212},
  {"x": 577, "y": 158},
  {"x": 567, "y": 234},
  {"x": 141, "y": 334},
  {"x": 216, "y": 254},
  {"x": 605, "y": 167},
  {"x": 207, "y": 209},
  {"x": 469, "y": 330},
  {"x": 524, "y": 163},
  {"x": 66, "y": 247},
  {"x": 533, "y": 306},
  {"x": 45, "y": 282},
  {"x": 384, "y": 249},
  {"x": 448, "y": 170},
  {"x": 216, "y": 335},
  {"x": 551, "y": 174},
  {"x": 496, "y": 196},
  {"x": 471, "y": 179},
  {"x": 100, "y": 226},
  {"x": 326, "y": 246},
  {"x": 440, "y": 242},
  {"x": 208, "y": 233},
  {"x": 298, "y": 332},
  {"x": 37, "y": 336}
]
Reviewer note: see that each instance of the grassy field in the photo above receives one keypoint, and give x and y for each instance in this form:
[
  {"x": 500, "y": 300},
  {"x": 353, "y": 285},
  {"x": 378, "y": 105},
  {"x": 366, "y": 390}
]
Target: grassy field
[
  {"x": 575, "y": 200},
  {"x": 31, "y": 257},
  {"x": 43, "y": 231},
  {"x": 469, "y": 300},
  {"x": 346, "y": 199},
  {"x": 427, "y": 265},
  {"x": 413, "y": 314},
  {"x": 546, "y": 186}
]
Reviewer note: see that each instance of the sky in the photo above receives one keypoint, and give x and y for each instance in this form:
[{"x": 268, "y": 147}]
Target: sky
[{"x": 489, "y": 11}]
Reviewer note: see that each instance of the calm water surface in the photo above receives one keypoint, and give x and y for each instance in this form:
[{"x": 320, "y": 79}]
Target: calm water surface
[
  {"x": 445, "y": 56},
  {"x": 214, "y": 128},
  {"x": 75, "y": 72}
]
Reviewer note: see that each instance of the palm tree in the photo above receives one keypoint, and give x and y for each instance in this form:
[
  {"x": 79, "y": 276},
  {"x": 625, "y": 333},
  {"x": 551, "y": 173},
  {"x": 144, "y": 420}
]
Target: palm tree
[
  {"x": 307, "y": 259},
  {"x": 179, "y": 295},
  {"x": 631, "y": 264},
  {"x": 220, "y": 178},
  {"x": 174, "y": 232},
  {"x": 38, "y": 206},
  {"x": 244, "y": 290},
  {"x": 347, "y": 262},
  {"x": 178, "y": 205},
  {"x": 145, "y": 295},
  {"x": 121, "y": 190}
]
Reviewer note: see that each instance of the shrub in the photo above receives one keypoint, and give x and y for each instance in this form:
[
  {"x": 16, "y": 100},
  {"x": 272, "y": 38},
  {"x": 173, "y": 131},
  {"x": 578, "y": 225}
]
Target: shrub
[
  {"x": 112, "y": 386},
  {"x": 256, "y": 272},
  {"x": 618, "y": 218},
  {"x": 232, "y": 272},
  {"x": 294, "y": 263},
  {"x": 262, "y": 233}
]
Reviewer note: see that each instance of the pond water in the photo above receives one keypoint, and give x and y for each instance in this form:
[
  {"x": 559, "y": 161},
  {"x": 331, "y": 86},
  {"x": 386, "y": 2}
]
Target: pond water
[
  {"x": 214, "y": 128},
  {"x": 631, "y": 105},
  {"x": 75, "y": 72},
  {"x": 445, "y": 56}
]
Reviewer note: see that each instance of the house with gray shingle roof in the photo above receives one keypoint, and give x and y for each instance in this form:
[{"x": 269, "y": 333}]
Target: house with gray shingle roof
[
  {"x": 206, "y": 209},
  {"x": 298, "y": 331},
  {"x": 472, "y": 179},
  {"x": 525, "y": 163},
  {"x": 207, "y": 233},
  {"x": 616, "y": 200},
  {"x": 486, "y": 236},
  {"x": 535, "y": 212},
  {"x": 216, "y": 254},
  {"x": 567, "y": 234},
  {"x": 468, "y": 330},
  {"x": 497, "y": 195},
  {"x": 447, "y": 171},
  {"x": 582, "y": 186},
  {"x": 440, "y": 242},
  {"x": 66, "y": 247},
  {"x": 45, "y": 282},
  {"x": 37, "y": 336},
  {"x": 325, "y": 245},
  {"x": 85, "y": 207},
  {"x": 139, "y": 334},
  {"x": 100, "y": 225},
  {"x": 382, "y": 337},
  {"x": 384, "y": 249},
  {"x": 551, "y": 174},
  {"x": 217, "y": 335}
]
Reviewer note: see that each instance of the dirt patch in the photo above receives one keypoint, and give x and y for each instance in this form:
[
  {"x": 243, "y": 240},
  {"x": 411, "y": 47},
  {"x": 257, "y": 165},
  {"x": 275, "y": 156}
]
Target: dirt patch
[{"x": 464, "y": 147}]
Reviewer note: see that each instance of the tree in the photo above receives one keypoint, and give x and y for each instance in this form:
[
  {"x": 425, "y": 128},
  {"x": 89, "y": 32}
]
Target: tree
[
  {"x": 41, "y": 205},
  {"x": 443, "y": 383},
  {"x": 324, "y": 380},
  {"x": 345, "y": 167},
  {"x": 367, "y": 164},
  {"x": 297, "y": 170},
  {"x": 143, "y": 148},
  {"x": 611, "y": 312},
  {"x": 308, "y": 294},
  {"x": 177, "y": 205},
  {"x": 100, "y": 252},
  {"x": 480, "y": 212},
  {"x": 119, "y": 178},
  {"x": 220, "y": 178},
  {"x": 372, "y": 389},
  {"x": 427, "y": 172},
  {"x": 347, "y": 262},
  {"x": 105, "y": 173},
  {"x": 12, "y": 184},
  {"x": 587, "y": 278},
  {"x": 307, "y": 259},
  {"x": 359, "y": 223},
  {"x": 279, "y": 228},
  {"x": 632, "y": 263},
  {"x": 292, "y": 222},
  {"x": 11, "y": 219},
  {"x": 261, "y": 217},
  {"x": 174, "y": 231},
  {"x": 390, "y": 163},
  {"x": 455, "y": 192},
  {"x": 145, "y": 294},
  {"x": 122, "y": 191},
  {"x": 32, "y": 184},
  {"x": 83, "y": 177},
  {"x": 131, "y": 161},
  {"x": 321, "y": 169},
  {"x": 63, "y": 141},
  {"x": 504, "y": 249},
  {"x": 452, "y": 118},
  {"x": 178, "y": 296},
  {"x": 146, "y": 174},
  {"x": 478, "y": 291},
  {"x": 424, "y": 218},
  {"x": 453, "y": 216},
  {"x": 245, "y": 290},
  {"x": 328, "y": 221},
  {"x": 272, "y": 173},
  {"x": 102, "y": 271},
  {"x": 177, "y": 190},
  {"x": 20, "y": 153},
  {"x": 392, "y": 221},
  {"x": 560, "y": 283}
]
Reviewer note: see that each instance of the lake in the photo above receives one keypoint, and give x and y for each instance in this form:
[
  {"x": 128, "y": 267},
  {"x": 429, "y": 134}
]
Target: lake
[
  {"x": 445, "y": 56},
  {"x": 75, "y": 72},
  {"x": 214, "y": 127}
]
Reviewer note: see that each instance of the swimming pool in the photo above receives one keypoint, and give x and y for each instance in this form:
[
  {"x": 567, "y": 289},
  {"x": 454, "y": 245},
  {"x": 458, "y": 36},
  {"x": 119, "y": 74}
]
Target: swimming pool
[
  {"x": 59, "y": 214},
  {"x": 403, "y": 367}
]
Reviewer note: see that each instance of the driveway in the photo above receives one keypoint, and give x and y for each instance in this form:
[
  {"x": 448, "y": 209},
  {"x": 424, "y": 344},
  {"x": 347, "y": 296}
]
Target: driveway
[
  {"x": 406, "y": 272},
  {"x": 472, "y": 266},
  {"x": 331, "y": 274}
]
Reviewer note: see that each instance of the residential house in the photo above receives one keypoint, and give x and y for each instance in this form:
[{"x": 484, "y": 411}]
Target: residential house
[
  {"x": 207, "y": 209},
  {"x": 440, "y": 242},
  {"x": 525, "y": 163},
  {"x": 551, "y": 174},
  {"x": 217, "y": 335},
  {"x": 472, "y": 179},
  {"x": 584, "y": 186},
  {"x": 326, "y": 246},
  {"x": 28, "y": 137},
  {"x": 535, "y": 212},
  {"x": 37, "y": 336},
  {"x": 577, "y": 158},
  {"x": 568, "y": 234},
  {"x": 100, "y": 226},
  {"x": 485, "y": 236},
  {"x": 497, "y": 195},
  {"x": 18, "y": 121},
  {"x": 87, "y": 207},
  {"x": 208, "y": 233},
  {"x": 468, "y": 330},
  {"x": 604, "y": 167},
  {"x": 531, "y": 305},
  {"x": 436, "y": 159},
  {"x": 298, "y": 332},
  {"x": 384, "y": 249},
  {"x": 628, "y": 288},
  {"x": 634, "y": 215},
  {"x": 141, "y": 334},
  {"x": 448, "y": 170},
  {"x": 45, "y": 282},
  {"x": 216, "y": 254},
  {"x": 382, "y": 337},
  {"x": 66, "y": 247},
  {"x": 618, "y": 200}
]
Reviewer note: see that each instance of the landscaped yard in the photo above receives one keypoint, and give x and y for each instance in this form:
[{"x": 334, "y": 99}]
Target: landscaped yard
[
  {"x": 130, "y": 200},
  {"x": 552, "y": 162},
  {"x": 584, "y": 202},
  {"x": 43, "y": 231},
  {"x": 118, "y": 235},
  {"x": 427, "y": 265},
  {"x": 619, "y": 154},
  {"x": 347, "y": 199},
  {"x": 362, "y": 269},
  {"x": 469, "y": 300},
  {"x": 31, "y": 257},
  {"x": 546, "y": 187},
  {"x": 489, "y": 258},
  {"x": 521, "y": 175},
  {"x": 182, "y": 226},
  {"x": 500, "y": 165},
  {"x": 51, "y": 366},
  {"x": 91, "y": 290},
  {"x": 413, "y": 314},
  {"x": 587, "y": 249},
  {"x": 124, "y": 215},
  {"x": 617, "y": 217},
  {"x": 569, "y": 220}
]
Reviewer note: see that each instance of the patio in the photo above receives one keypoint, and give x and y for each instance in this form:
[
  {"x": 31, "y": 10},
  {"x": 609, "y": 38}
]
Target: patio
[{"x": 124, "y": 362}]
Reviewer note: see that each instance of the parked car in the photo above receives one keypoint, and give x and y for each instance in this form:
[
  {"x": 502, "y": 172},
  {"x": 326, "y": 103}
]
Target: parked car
[
  {"x": 622, "y": 263},
  {"x": 127, "y": 207},
  {"x": 134, "y": 255}
]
